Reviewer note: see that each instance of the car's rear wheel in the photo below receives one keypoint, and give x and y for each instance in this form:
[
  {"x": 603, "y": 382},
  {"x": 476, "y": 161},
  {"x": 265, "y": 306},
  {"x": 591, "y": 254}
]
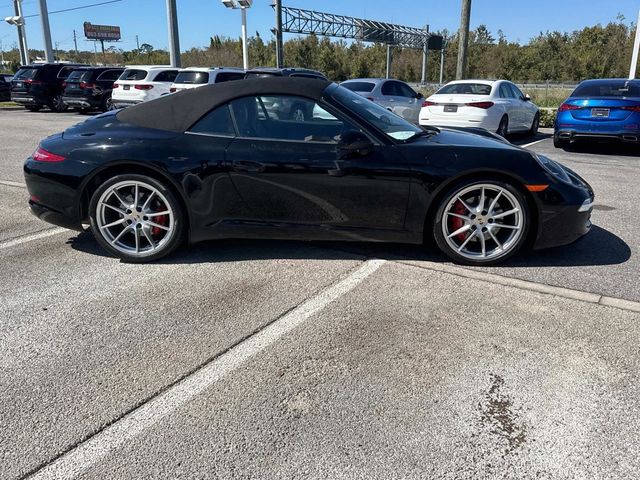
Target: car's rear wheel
[
  {"x": 107, "y": 104},
  {"x": 533, "y": 131},
  {"x": 57, "y": 104},
  {"x": 33, "y": 108},
  {"x": 136, "y": 218},
  {"x": 503, "y": 127},
  {"x": 481, "y": 222}
]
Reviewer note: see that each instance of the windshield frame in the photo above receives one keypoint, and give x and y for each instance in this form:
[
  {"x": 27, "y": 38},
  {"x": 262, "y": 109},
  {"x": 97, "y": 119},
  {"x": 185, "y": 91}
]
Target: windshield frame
[{"x": 340, "y": 96}]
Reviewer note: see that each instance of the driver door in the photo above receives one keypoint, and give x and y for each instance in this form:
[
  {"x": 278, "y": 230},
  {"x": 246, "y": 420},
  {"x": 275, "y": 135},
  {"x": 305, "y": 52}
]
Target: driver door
[{"x": 292, "y": 171}]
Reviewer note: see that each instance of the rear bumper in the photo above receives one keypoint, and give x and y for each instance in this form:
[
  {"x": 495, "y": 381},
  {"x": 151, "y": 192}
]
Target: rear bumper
[
  {"x": 486, "y": 122},
  {"x": 24, "y": 99},
  {"x": 125, "y": 103},
  {"x": 82, "y": 102},
  {"x": 54, "y": 217},
  {"x": 629, "y": 136}
]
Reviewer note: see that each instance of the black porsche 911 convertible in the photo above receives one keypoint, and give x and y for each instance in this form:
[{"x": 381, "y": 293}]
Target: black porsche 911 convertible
[{"x": 299, "y": 159}]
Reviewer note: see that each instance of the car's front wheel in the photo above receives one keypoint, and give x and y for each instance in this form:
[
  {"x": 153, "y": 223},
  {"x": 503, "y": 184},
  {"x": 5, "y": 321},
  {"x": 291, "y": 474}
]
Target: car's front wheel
[
  {"x": 136, "y": 218},
  {"x": 481, "y": 222},
  {"x": 57, "y": 104}
]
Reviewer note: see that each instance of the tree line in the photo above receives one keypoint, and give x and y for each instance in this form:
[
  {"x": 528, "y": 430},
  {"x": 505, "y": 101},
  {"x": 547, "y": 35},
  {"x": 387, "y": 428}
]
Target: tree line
[{"x": 596, "y": 51}]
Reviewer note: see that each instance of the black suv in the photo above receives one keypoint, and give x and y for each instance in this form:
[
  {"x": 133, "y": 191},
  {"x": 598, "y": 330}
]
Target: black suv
[
  {"x": 5, "y": 86},
  {"x": 90, "y": 87},
  {"x": 283, "y": 72},
  {"x": 37, "y": 85}
]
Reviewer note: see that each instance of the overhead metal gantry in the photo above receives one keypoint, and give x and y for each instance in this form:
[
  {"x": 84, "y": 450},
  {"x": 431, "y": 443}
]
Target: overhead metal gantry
[{"x": 309, "y": 22}]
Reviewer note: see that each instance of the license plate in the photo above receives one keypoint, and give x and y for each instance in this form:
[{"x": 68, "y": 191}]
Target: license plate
[
  {"x": 126, "y": 87},
  {"x": 450, "y": 108},
  {"x": 18, "y": 84},
  {"x": 599, "y": 112}
]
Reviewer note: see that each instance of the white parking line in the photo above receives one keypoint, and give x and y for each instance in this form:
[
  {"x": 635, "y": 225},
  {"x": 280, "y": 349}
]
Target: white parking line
[
  {"x": 30, "y": 238},
  {"x": 533, "y": 143},
  {"x": 12, "y": 184},
  {"x": 89, "y": 452}
]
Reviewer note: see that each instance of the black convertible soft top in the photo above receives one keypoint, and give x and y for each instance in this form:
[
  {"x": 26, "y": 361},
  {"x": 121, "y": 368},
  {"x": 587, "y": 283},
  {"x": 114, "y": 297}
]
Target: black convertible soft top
[{"x": 179, "y": 111}]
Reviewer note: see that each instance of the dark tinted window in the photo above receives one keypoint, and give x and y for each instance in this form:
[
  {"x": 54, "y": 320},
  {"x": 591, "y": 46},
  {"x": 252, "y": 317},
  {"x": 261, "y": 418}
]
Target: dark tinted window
[
  {"x": 516, "y": 91},
  {"x": 505, "y": 91},
  {"x": 192, "y": 77},
  {"x": 133, "y": 74},
  {"x": 25, "y": 74},
  {"x": 359, "y": 86},
  {"x": 406, "y": 90},
  {"x": 79, "y": 76},
  {"x": 307, "y": 75},
  {"x": 229, "y": 76},
  {"x": 390, "y": 88},
  {"x": 166, "y": 76},
  {"x": 65, "y": 72},
  {"x": 216, "y": 122},
  {"x": 465, "y": 89},
  {"x": 109, "y": 75},
  {"x": 261, "y": 75},
  {"x": 613, "y": 88}
]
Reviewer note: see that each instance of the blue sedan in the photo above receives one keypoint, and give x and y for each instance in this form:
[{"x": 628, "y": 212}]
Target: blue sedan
[{"x": 606, "y": 109}]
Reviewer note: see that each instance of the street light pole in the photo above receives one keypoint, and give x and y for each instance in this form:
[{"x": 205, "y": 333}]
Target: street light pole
[
  {"x": 463, "y": 39},
  {"x": 636, "y": 47},
  {"x": 46, "y": 32},
  {"x": 18, "y": 21},
  {"x": 174, "y": 38},
  {"x": 245, "y": 46}
]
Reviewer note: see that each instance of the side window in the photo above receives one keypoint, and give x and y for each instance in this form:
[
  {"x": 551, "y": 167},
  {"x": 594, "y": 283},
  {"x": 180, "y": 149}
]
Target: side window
[
  {"x": 228, "y": 76},
  {"x": 287, "y": 118},
  {"x": 65, "y": 71},
  {"x": 109, "y": 75},
  {"x": 406, "y": 91},
  {"x": 505, "y": 91},
  {"x": 166, "y": 76},
  {"x": 516, "y": 91},
  {"x": 389, "y": 88},
  {"x": 216, "y": 122}
]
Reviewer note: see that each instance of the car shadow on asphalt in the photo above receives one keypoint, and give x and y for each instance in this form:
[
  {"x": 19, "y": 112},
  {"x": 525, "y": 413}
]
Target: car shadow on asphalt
[
  {"x": 521, "y": 139},
  {"x": 599, "y": 247},
  {"x": 605, "y": 148}
]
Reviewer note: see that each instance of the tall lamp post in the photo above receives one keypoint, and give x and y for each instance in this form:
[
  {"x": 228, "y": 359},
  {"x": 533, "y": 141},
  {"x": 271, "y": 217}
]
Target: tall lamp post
[
  {"x": 242, "y": 5},
  {"x": 18, "y": 21}
]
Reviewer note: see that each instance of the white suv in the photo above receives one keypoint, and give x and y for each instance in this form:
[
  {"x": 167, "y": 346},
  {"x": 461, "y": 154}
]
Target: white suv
[
  {"x": 193, "y": 77},
  {"x": 139, "y": 83}
]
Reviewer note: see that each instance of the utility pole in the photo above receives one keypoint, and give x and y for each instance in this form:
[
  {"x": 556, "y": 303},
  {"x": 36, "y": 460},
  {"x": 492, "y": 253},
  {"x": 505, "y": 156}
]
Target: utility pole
[
  {"x": 279, "y": 50},
  {"x": 22, "y": 33},
  {"x": 636, "y": 47},
  {"x": 442, "y": 62},
  {"x": 425, "y": 56},
  {"x": 46, "y": 32},
  {"x": 137, "y": 42},
  {"x": 174, "y": 37},
  {"x": 388, "y": 73},
  {"x": 245, "y": 43},
  {"x": 463, "y": 39},
  {"x": 75, "y": 42}
]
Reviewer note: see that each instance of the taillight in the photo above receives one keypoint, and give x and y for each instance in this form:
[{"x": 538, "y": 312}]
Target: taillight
[
  {"x": 115, "y": 85},
  {"x": 483, "y": 105},
  {"x": 31, "y": 81},
  {"x": 173, "y": 89},
  {"x": 42, "y": 155},
  {"x": 87, "y": 85},
  {"x": 64, "y": 84},
  {"x": 428, "y": 103},
  {"x": 632, "y": 108},
  {"x": 566, "y": 106},
  {"x": 143, "y": 87}
]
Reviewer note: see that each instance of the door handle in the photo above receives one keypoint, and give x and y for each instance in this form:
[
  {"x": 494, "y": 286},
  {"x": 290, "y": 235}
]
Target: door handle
[{"x": 248, "y": 166}]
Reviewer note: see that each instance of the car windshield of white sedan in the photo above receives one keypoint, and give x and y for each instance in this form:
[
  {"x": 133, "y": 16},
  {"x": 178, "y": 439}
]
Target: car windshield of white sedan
[
  {"x": 390, "y": 123},
  {"x": 465, "y": 89}
]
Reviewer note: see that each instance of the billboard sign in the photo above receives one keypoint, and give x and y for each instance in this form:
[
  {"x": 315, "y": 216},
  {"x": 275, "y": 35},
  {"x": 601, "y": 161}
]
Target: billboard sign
[{"x": 101, "y": 32}]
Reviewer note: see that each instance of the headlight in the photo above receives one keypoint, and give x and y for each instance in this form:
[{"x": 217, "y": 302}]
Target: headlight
[{"x": 554, "y": 168}]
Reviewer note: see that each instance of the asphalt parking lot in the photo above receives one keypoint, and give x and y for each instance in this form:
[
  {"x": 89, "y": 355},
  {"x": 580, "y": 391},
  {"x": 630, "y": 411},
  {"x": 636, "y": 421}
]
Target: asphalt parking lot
[{"x": 260, "y": 359}]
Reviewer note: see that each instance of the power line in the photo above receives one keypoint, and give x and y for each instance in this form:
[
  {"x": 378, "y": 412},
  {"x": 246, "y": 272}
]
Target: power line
[{"x": 75, "y": 8}]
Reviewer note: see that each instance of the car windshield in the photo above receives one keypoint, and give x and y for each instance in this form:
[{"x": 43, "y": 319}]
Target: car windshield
[
  {"x": 615, "y": 88},
  {"x": 359, "y": 86},
  {"x": 79, "y": 76},
  {"x": 465, "y": 89},
  {"x": 192, "y": 77},
  {"x": 390, "y": 123},
  {"x": 25, "y": 74},
  {"x": 133, "y": 74}
]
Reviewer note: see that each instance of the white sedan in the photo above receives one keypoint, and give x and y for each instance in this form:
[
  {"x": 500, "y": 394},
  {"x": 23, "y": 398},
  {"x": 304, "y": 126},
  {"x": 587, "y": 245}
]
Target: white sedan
[{"x": 498, "y": 106}]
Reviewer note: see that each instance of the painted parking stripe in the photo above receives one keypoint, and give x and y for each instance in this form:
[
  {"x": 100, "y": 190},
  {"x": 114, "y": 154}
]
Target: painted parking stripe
[
  {"x": 31, "y": 237},
  {"x": 527, "y": 145},
  {"x": 89, "y": 452},
  {"x": 9, "y": 183}
]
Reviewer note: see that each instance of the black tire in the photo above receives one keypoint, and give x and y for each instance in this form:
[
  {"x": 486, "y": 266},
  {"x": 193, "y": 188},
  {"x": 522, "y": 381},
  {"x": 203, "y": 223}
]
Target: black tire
[
  {"x": 560, "y": 143},
  {"x": 178, "y": 228},
  {"x": 503, "y": 127},
  {"x": 533, "y": 131},
  {"x": 33, "y": 108},
  {"x": 452, "y": 193},
  {"x": 57, "y": 104}
]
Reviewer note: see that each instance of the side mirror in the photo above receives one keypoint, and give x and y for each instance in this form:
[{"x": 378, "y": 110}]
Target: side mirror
[
  {"x": 419, "y": 95},
  {"x": 353, "y": 143},
  {"x": 527, "y": 97}
]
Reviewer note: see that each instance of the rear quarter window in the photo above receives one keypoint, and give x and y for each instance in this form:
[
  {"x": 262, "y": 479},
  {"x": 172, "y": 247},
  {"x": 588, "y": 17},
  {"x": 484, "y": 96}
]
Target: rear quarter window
[{"x": 133, "y": 74}]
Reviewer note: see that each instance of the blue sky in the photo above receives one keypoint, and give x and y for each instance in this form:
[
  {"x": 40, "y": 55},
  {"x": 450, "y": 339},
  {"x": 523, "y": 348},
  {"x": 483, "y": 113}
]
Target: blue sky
[{"x": 200, "y": 19}]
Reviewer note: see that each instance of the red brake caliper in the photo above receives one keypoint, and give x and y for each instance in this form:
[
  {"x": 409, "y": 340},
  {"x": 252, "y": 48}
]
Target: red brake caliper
[
  {"x": 160, "y": 220},
  {"x": 457, "y": 223}
]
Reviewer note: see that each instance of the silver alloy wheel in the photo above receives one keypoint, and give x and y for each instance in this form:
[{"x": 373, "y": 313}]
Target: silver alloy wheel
[
  {"x": 58, "y": 103},
  {"x": 109, "y": 104},
  {"x": 483, "y": 222},
  {"x": 135, "y": 218}
]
